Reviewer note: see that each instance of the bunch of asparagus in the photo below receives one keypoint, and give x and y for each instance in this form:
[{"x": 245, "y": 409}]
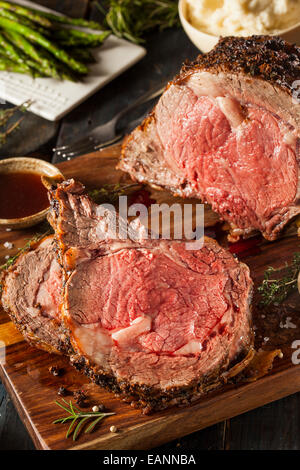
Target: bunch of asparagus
[{"x": 37, "y": 43}]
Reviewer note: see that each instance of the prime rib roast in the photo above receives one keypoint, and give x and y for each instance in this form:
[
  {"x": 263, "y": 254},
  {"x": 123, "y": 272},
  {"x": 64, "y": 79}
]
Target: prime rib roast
[
  {"x": 226, "y": 130},
  {"x": 153, "y": 322},
  {"x": 148, "y": 319},
  {"x": 31, "y": 295}
]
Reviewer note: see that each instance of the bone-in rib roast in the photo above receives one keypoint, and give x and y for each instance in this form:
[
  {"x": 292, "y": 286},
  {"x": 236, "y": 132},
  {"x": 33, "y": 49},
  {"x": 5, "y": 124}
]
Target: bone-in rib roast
[
  {"x": 148, "y": 319},
  {"x": 226, "y": 130},
  {"x": 156, "y": 323}
]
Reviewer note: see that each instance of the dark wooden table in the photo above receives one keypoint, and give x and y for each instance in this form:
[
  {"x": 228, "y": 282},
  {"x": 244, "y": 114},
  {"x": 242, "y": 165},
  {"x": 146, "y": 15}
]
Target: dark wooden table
[{"x": 274, "y": 426}]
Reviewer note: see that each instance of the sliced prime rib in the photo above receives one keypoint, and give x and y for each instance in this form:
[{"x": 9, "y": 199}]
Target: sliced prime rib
[
  {"x": 226, "y": 130},
  {"x": 153, "y": 322},
  {"x": 31, "y": 295}
]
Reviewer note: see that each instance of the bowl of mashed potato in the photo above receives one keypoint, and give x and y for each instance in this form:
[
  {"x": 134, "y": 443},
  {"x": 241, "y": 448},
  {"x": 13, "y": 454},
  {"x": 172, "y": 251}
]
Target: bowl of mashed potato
[{"x": 205, "y": 21}]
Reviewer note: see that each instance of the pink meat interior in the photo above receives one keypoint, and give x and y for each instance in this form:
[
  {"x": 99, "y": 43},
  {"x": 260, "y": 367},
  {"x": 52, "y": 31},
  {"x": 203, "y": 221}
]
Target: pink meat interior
[
  {"x": 159, "y": 302},
  {"x": 242, "y": 170},
  {"x": 49, "y": 291}
]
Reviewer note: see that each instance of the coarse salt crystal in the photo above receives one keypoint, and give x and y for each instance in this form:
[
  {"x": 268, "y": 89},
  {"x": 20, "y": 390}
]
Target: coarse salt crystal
[
  {"x": 266, "y": 339},
  {"x": 288, "y": 323},
  {"x": 8, "y": 245}
]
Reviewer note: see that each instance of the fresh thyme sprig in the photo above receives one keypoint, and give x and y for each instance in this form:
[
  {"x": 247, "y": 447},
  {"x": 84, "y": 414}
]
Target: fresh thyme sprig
[
  {"x": 6, "y": 114},
  {"x": 35, "y": 239},
  {"x": 131, "y": 19},
  {"x": 79, "y": 418},
  {"x": 111, "y": 192},
  {"x": 274, "y": 290}
]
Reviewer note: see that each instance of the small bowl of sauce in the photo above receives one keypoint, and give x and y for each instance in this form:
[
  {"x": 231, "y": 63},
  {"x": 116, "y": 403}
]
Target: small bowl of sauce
[{"x": 23, "y": 197}]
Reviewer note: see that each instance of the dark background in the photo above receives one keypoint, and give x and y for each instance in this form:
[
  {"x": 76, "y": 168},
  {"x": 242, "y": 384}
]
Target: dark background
[{"x": 274, "y": 426}]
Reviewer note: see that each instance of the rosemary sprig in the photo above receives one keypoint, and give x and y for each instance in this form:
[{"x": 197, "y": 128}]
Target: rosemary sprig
[
  {"x": 131, "y": 19},
  {"x": 110, "y": 193},
  {"x": 274, "y": 290},
  {"x": 78, "y": 418},
  {"x": 6, "y": 114}
]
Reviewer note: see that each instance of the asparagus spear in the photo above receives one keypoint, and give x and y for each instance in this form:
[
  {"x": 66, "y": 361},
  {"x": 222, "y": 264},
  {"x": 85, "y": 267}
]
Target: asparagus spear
[
  {"x": 73, "y": 37},
  {"x": 76, "y": 42},
  {"x": 46, "y": 18},
  {"x": 10, "y": 50},
  {"x": 21, "y": 19},
  {"x": 66, "y": 20},
  {"x": 37, "y": 69},
  {"x": 83, "y": 55},
  {"x": 32, "y": 15},
  {"x": 38, "y": 38},
  {"x": 64, "y": 71},
  {"x": 34, "y": 69},
  {"x": 10, "y": 66},
  {"x": 12, "y": 53},
  {"x": 45, "y": 65}
]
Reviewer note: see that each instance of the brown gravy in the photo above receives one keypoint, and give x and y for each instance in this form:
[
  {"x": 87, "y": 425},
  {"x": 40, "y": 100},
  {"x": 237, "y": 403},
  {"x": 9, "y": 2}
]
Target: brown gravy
[{"x": 21, "y": 195}]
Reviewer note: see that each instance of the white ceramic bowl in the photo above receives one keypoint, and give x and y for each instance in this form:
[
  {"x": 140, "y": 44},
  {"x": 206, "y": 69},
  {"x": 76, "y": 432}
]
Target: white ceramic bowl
[
  {"x": 205, "y": 42},
  {"x": 28, "y": 165}
]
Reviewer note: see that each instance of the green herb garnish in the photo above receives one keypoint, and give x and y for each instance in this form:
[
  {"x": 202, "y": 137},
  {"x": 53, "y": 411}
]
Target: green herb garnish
[
  {"x": 131, "y": 19},
  {"x": 79, "y": 418},
  {"x": 110, "y": 193},
  {"x": 35, "y": 239},
  {"x": 6, "y": 114},
  {"x": 275, "y": 290}
]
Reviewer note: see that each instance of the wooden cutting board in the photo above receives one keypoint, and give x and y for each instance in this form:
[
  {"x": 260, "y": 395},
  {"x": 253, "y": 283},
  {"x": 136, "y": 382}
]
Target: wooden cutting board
[{"x": 25, "y": 370}]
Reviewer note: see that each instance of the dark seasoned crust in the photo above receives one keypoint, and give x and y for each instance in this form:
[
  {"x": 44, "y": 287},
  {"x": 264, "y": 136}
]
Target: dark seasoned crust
[
  {"x": 151, "y": 399},
  {"x": 267, "y": 57}
]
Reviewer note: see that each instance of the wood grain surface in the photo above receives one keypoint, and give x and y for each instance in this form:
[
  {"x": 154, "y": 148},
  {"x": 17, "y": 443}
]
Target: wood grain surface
[{"x": 25, "y": 370}]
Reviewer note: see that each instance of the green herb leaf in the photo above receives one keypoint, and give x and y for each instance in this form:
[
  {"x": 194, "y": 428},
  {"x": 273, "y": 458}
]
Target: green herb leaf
[
  {"x": 132, "y": 19},
  {"x": 273, "y": 289},
  {"x": 6, "y": 115},
  {"x": 63, "y": 407},
  {"x": 91, "y": 427},
  {"x": 110, "y": 193},
  {"x": 78, "y": 427},
  {"x": 78, "y": 417},
  {"x": 35, "y": 239},
  {"x": 71, "y": 427}
]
